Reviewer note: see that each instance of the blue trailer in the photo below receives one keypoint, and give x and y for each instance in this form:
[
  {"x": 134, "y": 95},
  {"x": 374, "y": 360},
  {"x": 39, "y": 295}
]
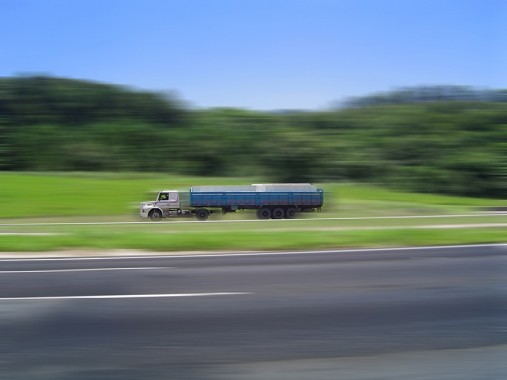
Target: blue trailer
[{"x": 275, "y": 201}]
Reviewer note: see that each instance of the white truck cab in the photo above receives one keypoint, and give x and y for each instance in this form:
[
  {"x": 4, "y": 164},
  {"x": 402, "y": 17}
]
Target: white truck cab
[{"x": 167, "y": 204}]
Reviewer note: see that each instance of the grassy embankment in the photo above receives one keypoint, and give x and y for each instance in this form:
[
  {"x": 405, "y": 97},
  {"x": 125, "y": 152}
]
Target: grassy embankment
[{"x": 75, "y": 197}]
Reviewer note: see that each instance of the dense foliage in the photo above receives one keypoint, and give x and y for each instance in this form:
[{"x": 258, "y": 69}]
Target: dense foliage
[{"x": 434, "y": 139}]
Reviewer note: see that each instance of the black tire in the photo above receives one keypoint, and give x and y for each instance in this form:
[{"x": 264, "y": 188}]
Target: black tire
[
  {"x": 263, "y": 213},
  {"x": 155, "y": 215},
  {"x": 278, "y": 213},
  {"x": 291, "y": 213},
  {"x": 202, "y": 214}
]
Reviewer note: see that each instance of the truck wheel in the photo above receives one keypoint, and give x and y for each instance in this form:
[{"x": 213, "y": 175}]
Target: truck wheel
[
  {"x": 278, "y": 213},
  {"x": 263, "y": 213},
  {"x": 202, "y": 214},
  {"x": 291, "y": 213},
  {"x": 155, "y": 215}
]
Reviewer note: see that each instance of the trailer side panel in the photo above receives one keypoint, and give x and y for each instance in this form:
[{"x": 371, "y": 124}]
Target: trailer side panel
[{"x": 251, "y": 199}]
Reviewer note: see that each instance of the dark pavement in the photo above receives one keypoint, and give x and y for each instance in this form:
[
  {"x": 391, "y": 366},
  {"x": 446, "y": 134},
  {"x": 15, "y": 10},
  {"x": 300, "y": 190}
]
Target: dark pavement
[{"x": 422, "y": 313}]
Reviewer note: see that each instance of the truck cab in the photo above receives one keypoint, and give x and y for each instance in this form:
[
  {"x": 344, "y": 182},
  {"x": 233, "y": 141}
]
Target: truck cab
[{"x": 166, "y": 204}]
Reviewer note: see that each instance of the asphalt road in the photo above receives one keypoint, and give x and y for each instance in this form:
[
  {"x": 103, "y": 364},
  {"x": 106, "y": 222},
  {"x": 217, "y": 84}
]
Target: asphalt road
[{"x": 377, "y": 314}]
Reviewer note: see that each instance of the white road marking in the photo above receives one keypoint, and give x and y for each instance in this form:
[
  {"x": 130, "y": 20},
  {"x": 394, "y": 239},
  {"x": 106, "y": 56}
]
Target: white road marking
[
  {"x": 79, "y": 270},
  {"x": 255, "y": 220},
  {"x": 454, "y": 226},
  {"x": 370, "y": 228},
  {"x": 281, "y": 253},
  {"x": 30, "y": 234},
  {"x": 124, "y": 296}
]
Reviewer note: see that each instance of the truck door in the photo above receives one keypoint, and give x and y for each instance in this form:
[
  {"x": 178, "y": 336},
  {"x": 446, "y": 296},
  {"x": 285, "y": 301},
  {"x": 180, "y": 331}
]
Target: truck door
[{"x": 168, "y": 200}]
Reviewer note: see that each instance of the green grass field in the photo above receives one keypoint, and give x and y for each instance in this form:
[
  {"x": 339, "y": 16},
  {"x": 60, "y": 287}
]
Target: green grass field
[
  {"x": 95, "y": 197},
  {"x": 26, "y": 195}
]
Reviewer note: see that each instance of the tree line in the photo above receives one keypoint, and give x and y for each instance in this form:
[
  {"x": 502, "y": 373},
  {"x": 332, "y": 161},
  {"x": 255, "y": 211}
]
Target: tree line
[{"x": 443, "y": 139}]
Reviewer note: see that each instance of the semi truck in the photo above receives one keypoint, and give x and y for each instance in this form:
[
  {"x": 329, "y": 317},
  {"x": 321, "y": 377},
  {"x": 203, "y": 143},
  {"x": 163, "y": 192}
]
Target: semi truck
[{"x": 270, "y": 201}]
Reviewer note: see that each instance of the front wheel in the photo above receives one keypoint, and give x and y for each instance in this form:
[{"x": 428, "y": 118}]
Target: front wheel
[
  {"x": 155, "y": 215},
  {"x": 202, "y": 214}
]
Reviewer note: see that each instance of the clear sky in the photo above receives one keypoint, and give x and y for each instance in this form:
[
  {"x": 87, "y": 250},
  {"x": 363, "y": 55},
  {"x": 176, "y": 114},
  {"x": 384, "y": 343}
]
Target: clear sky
[{"x": 260, "y": 54}]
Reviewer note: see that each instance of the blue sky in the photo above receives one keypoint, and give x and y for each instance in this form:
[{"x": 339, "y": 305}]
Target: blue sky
[{"x": 259, "y": 54}]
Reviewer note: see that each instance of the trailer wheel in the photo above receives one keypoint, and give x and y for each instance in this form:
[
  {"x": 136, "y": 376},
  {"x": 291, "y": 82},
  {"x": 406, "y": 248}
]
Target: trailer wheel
[
  {"x": 263, "y": 213},
  {"x": 278, "y": 213},
  {"x": 155, "y": 215},
  {"x": 291, "y": 213},
  {"x": 202, "y": 214}
]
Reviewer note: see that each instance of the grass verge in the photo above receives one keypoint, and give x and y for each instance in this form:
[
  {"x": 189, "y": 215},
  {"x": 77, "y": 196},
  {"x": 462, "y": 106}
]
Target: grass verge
[{"x": 251, "y": 240}]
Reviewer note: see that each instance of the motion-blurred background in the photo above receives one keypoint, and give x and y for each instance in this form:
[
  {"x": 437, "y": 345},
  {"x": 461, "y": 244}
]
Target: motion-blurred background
[{"x": 404, "y": 94}]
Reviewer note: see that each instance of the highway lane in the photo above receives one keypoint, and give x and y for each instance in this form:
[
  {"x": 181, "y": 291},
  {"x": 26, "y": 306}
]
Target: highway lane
[
  {"x": 6, "y": 223},
  {"x": 363, "y": 314}
]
